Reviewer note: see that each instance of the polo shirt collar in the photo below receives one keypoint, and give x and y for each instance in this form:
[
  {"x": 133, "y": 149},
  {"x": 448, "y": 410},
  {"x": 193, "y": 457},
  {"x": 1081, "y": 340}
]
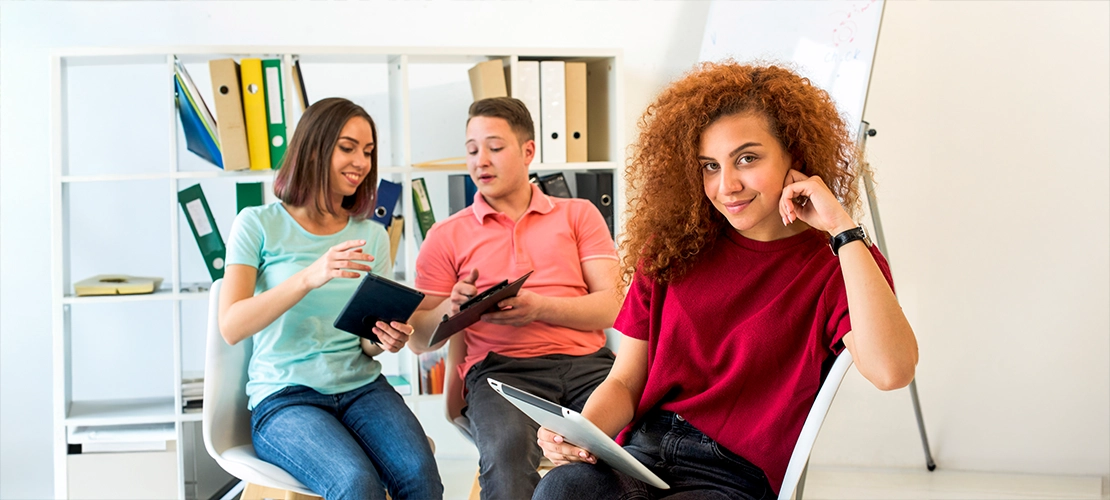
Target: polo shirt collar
[{"x": 541, "y": 204}]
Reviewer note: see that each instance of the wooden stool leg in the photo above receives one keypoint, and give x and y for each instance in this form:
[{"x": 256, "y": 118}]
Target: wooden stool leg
[{"x": 476, "y": 488}]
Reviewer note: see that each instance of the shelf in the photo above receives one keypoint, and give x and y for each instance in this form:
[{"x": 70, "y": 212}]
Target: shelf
[
  {"x": 121, "y": 412},
  {"x": 205, "y": 174},
  {"x": 159, "y": 295},
  {"x": 191, "y": 417}
]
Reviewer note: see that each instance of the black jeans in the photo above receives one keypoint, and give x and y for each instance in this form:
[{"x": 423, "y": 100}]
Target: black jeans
[
  {"x": 694, "y": 466},
  {"x": 505, "y": 436}
]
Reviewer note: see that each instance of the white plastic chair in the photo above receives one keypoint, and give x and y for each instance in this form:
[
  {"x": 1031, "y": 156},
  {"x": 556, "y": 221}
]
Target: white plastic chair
[
  {"x": 799, "y": 460},
  {"x": 226, "y": 422}
]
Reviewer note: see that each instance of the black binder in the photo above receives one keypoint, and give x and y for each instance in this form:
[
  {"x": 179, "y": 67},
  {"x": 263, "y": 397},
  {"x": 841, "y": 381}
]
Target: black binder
[
  {"x": 556, "y": 185},
  {"x": 598, "y": 188}
]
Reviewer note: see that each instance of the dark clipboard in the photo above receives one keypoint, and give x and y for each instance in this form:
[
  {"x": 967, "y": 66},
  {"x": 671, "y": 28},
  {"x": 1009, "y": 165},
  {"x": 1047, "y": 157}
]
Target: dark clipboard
[
  {"x": 377, "y": 299},
  {"x": 472, "y": 310}
]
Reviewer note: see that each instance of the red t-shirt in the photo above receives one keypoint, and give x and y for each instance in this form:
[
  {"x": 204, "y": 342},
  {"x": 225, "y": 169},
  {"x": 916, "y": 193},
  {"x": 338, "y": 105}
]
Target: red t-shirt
[{"x": 736, "y": 345}]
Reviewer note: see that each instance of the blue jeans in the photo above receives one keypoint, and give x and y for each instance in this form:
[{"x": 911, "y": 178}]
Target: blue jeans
[
  {"x": 505, "y": 436},
  {"x": 694, "y": 466},
  {"x": 352, "y": 445}
]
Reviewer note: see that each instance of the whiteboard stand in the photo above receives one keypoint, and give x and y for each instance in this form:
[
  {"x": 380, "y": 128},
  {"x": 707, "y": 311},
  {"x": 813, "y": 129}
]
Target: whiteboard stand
[{"x": 866, "y": 131}]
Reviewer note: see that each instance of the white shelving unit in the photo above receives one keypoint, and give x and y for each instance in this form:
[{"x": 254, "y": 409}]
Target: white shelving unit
[{"x": 119, "y": 160}]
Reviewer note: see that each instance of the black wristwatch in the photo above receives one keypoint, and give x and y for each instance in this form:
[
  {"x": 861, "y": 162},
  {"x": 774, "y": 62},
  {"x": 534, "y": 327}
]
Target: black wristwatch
[{"x": 856, "y": 233}]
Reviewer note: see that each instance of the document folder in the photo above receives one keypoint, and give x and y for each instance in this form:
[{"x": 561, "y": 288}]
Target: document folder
[
  {"x": 197, "y": 138},
  {"x": 487, "y": 79},
  {"x": 471, "y": 311},
  {"x": 460, "y": 192},
  {"x": 553, "y": 111},
  {"x": 275, "y": 110},
  {"x": 526, "y": 87},
  {"x": 202, "y": 223},
  {"x": 229, "y": 112},
  {"x": 555, "y": 185},
  {"x": 298, "y": 85},
  {"x": 425, "y": 217},
  {"x": 247, "y": 194},
  {"x": 388, "y": 194},
  {"x": 254, "y": 113},
  {"x": 598, "y": 188},
  {"x": 577, "y": 150}
]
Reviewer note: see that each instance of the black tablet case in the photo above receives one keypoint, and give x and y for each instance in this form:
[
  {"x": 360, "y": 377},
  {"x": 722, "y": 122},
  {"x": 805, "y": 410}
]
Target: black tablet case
[
  {"x": 377, "y": 298},
  {"x": 473, "y": 309}
]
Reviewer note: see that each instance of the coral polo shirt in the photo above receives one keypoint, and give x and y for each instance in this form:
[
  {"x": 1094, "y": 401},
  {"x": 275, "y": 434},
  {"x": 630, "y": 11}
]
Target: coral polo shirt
[{"x": 553, "y": 237}]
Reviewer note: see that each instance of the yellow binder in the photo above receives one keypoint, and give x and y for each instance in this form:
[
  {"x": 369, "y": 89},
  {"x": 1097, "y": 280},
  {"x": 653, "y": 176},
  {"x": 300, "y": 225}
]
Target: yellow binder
[{"x": 254, "y": 113}]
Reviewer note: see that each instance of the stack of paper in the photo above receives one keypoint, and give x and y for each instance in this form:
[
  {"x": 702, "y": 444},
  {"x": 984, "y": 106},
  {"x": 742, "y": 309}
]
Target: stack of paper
[{"x": 192, "y": 393}]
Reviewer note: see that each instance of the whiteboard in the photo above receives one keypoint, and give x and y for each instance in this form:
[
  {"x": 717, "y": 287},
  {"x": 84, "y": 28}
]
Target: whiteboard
[{"x": 831, "y": 43}]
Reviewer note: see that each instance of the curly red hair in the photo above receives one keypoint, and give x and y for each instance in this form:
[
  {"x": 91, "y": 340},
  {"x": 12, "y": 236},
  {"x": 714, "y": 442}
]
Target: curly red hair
[{"x": 671, "y": 220}]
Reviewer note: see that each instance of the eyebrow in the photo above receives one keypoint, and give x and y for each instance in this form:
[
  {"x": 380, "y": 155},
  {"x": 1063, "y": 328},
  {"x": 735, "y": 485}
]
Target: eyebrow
[
  {"x": 354, "y": 140},
  {"x": 734, "y": 152}
]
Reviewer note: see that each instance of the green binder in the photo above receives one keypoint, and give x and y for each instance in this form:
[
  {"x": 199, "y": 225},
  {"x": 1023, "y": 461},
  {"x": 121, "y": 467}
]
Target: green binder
[
  {"x": 204, "y": 228},
  {"x": 247, "y": 194},
  {"x": 275, "y": 110},
  {"x": 423, "y": 205}
]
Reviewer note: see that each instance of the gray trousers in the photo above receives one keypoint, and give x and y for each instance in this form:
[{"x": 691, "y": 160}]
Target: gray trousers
[{"x": 505, "y": 436}]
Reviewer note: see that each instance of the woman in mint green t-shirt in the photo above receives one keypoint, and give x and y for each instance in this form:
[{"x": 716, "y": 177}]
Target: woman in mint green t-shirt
[{"x": 319, "y": 407}]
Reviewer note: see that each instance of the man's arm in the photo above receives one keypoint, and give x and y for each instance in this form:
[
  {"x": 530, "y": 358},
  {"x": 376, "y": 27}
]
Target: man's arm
[
  {"x": 594, "y": 311},
  {"x": 433, "y": 308}
]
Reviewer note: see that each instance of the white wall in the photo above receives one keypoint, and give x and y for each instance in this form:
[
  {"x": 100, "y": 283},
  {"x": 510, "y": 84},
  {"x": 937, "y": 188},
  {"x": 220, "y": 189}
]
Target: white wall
[
  {"x": 993, "y": 163},
  {"x": 660, "y": 39},
  {"x": 993, "y": 192}
]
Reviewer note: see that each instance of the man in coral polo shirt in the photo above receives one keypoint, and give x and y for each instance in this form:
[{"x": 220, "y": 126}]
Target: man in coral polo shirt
[{"x": 549, "y": 339}]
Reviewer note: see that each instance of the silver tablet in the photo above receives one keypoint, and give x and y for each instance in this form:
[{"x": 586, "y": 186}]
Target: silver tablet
[{"x": 576, "y": 429}]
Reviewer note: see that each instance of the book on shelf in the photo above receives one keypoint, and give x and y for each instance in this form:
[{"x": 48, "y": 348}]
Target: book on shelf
[
  {"x": 298, "y": 85},
  {"x": 400, "y": 383},
  {"x": 487, "y": 79},
  {"x": 248, "y": 194},
  {"x": 198, "y": 138},
  {"x": 460, "y": 192},
  {"x": 422, "y": 205},
  {"x": 275, "y": 110},
  {"x": 203, "y": 225},
  {"x": 556, "y": 185},
  {"x": 254, "y": 112},
  {"x": 431, "y": 366},
  {"x": 395, "y": 230},
  {"x": 229, "y": 113}
]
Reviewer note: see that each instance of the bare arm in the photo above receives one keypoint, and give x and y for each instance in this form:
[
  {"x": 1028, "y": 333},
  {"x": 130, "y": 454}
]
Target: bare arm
[
  {"x": 882, "y": 343},
  {"x": 611, "y": 406},
  {"x": 242, "y": 313},
  {"x": 594, "y": 311}
]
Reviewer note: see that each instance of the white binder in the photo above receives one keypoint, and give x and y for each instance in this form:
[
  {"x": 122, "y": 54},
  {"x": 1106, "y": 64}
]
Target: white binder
[
  {"x": 553, "y": 111},
  {"x": 527, "y": 89}
]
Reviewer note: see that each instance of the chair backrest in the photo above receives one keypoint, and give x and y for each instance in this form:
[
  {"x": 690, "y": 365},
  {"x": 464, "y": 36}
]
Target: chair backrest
[
  {"x": 226, "y": 422},
  {"x": 800, "y": 457}
]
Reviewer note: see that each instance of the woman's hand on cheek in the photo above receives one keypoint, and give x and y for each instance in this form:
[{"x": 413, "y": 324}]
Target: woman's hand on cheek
[{"x": 809, "y": 199}]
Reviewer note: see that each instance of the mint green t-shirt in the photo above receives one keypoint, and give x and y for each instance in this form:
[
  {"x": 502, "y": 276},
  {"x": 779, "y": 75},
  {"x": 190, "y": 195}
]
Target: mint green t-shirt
[{"x": 301, "y": 347}]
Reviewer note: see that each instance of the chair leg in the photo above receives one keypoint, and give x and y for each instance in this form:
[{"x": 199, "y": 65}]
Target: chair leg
[
  {"x": 257, "y": 492},
  {"x": 801, "y": 482},
  {"x": 476, "y": 488}
]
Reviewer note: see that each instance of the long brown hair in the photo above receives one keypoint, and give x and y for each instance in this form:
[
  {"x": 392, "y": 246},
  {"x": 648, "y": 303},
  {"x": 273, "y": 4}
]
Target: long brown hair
[
  {"x": 305, "y": 175},
  {"x": 671, "y": 219}
]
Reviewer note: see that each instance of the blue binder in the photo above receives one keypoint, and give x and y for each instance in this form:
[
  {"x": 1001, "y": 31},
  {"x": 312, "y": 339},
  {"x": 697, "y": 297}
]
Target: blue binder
[
  {"x": 197, "y": 138},
  {"x": 388, "y": 195}
]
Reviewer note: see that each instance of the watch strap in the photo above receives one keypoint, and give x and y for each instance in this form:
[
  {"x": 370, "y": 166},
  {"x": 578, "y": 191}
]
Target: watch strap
[{"x": 856, "y": 233}]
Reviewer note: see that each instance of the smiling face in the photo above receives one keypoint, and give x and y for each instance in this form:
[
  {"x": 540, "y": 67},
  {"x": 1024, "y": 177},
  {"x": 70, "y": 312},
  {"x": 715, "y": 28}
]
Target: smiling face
[
  {"x": 743, "y": 169},
  {"x": 350, "y": 160},
  {"x": 496, "y": 160}
]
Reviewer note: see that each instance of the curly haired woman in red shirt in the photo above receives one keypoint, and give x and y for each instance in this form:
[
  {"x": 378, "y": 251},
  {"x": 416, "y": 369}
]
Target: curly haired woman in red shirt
[{"x": 744, "y": 179}]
